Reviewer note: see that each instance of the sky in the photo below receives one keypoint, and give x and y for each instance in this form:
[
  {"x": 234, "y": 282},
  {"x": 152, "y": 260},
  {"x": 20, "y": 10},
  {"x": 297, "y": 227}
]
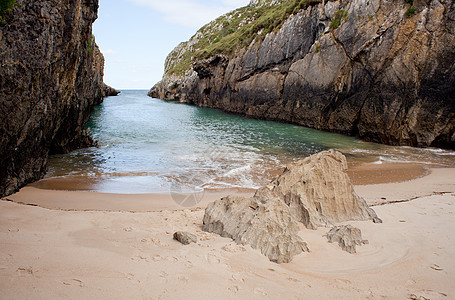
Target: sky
[{"x": 135, "y": 36}]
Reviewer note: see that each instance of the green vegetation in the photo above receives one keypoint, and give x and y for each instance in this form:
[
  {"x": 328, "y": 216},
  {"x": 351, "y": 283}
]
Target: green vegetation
[
  {"x": 6, "y": 6},
  {"x": 411, "y": 10},
  {"x": 336, "y": 21},
  {"x": 237, "y": 29},
  {"x": 318, "y": 48},
  {"x": 91, "y": 44}
]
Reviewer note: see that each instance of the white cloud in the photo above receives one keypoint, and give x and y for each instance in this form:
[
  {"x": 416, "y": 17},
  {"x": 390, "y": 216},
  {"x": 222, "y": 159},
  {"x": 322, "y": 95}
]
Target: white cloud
[{"x": 191, "y": 13}]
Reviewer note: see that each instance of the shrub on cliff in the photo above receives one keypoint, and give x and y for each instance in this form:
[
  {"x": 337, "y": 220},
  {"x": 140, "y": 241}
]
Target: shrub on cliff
[
  {"x": 6, "y": 6},
  {"x": 237, "y": 29}
]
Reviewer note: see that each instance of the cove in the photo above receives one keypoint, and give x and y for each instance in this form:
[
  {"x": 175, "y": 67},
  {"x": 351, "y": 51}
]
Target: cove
[{"x": 149, "y": 145}]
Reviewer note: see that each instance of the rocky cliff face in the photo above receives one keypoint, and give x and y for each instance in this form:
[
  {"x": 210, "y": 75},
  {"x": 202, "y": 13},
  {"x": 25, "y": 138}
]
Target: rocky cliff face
[
  {"x": 380, "y": 70},
  {"x": 51, "y": 77}
]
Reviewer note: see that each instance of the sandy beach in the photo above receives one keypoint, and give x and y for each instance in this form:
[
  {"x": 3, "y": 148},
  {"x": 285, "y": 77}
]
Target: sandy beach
[{"x": 85, "y": 245}]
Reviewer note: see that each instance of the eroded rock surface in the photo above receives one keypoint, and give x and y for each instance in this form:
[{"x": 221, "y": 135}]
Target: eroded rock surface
[
  {"x": 184, "y": 237},
  {"x": 264, "y": 224},
  {"x": 315, "y": 191},
  {"x": 347, "y": 237},
  {"x": 318, "y": 191}
]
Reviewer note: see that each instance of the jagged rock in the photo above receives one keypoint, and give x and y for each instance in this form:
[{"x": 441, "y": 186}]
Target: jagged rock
[
  {"x": 185, "y": 238},
  {"x": 264, "y": 224},
  {"x": 347, "y": 237},
  {"x": 109, "y": 91},
  {"x": 318, "y": 191},
  {"x": 315, "y": 191},
  {"x": 377, "y": 220},
  {"x": 51, "y": 77},
  {"x": 380, "y": 75}
]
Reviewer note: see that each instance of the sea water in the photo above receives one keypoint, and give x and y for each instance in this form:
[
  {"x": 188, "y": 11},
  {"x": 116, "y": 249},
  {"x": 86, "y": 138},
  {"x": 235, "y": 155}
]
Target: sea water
[{"x": 149, "y": 145}]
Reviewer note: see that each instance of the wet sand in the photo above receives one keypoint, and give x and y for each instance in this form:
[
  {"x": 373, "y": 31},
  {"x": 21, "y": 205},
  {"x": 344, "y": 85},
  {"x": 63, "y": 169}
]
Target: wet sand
[{"x": 111, "y": 246}]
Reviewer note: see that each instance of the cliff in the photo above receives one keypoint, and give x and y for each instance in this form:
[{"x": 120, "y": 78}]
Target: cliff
[
  {"x": 51, "y": 77},
  {"x": 380, "y": 70}
]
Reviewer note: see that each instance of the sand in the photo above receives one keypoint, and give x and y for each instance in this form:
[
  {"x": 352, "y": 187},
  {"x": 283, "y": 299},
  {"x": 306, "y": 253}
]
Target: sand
[{"x": 82, "y": 245}]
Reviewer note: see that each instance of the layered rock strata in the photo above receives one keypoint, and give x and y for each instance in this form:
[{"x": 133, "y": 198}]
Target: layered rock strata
[
  {"x": 264, "y": 224},
  {"x": 380, "y": 70},
  {"x": 315, "y": 191},
  {"x": 347, "y": 237},
  {"x": 51, "y": 77}
]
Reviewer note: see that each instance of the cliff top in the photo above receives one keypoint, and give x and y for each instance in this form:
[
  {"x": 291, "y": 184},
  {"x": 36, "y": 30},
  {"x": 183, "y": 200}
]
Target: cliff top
[{"x": 234, "y": 30}]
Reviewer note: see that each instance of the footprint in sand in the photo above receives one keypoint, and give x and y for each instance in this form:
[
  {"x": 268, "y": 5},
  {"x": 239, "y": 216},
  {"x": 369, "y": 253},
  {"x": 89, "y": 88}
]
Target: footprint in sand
[
  {"x": 213, "y": 259},
  {"x": 189, "y": 264},
  {"x": 234, "y": 289},
  {"x": 74, "y": 282},
  {"x": 238, "y": 277},
  {"x": 343, "y": 281},
  {"x": 27, "y": 271},
  {"x": 139, "y": 258},
  {"x": 157, "y": 258},
  {"x": 128, "y": 229},
  {"x": 436, "y": 267},
  {"x": 260, "y": 291},
  {"x": 233, "y": 248},
  {"x": 293, "y": 279}
]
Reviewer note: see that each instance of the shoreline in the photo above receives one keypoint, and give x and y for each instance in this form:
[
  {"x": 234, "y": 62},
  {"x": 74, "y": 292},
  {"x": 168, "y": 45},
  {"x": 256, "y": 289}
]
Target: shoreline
[
  {"x": 114, "y": 251},
  {"x": 53, "y": 193}
]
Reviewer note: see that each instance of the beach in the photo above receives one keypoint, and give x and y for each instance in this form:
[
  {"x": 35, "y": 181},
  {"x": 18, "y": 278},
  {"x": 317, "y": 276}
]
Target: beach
[{"x": 120, "y": 247}]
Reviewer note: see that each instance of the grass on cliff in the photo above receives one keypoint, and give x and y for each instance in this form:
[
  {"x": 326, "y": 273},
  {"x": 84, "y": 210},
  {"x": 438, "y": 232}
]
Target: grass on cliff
[
  {"x": 236, "y": 30},
  {"x": 6, "y": 6},
  {"x": 336, "y": 21}
]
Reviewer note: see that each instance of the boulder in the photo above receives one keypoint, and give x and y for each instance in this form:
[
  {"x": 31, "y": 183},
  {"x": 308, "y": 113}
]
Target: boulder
[
  {"x": 318, "y": 191},
  {"x": 264, "y": 224},
  {"x": 315, "y": 191},
  {"x": 185, "y": 238},
  {"x": 347, "y": 237}
]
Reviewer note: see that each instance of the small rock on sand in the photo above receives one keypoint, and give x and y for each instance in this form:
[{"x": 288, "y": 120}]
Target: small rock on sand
[
  {"x": 347, "y": 237},
  {"x": 185, "y": 238}
]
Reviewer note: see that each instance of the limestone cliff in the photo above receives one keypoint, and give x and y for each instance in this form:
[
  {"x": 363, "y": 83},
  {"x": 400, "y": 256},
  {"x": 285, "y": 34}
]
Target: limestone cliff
[
  {"x": 51, "y": 77},
  {"x": 380, "y": 70}
]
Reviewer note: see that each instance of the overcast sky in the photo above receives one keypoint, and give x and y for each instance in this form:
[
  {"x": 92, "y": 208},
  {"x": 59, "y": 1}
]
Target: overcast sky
[{"x": 135, "y": 36}]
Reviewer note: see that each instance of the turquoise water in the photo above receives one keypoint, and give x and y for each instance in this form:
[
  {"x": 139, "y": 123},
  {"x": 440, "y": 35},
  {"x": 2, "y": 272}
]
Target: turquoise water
[{"x": 149, "y": 145}]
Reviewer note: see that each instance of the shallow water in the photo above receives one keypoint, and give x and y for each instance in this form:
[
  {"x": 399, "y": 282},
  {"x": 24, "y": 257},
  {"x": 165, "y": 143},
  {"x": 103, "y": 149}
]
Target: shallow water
[{"x": 148, "y": 145}]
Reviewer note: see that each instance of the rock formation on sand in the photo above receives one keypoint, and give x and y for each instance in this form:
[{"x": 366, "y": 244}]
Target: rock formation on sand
[
  {"x": 184, "y": 237},
  {"x": 315, "y": 191},
  {"x": 264, "y": 224},
  {"x": 347, "y": 237},
  {"x": 318, "y": 191},
  {"x": 381, "y": 70},
  {"x": 51, "y": 77}
]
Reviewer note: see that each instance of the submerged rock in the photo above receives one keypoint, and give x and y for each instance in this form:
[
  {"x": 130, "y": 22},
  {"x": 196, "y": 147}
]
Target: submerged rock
[
  {"x": 315, "y": 191},
  {"x": 347, "y": 237},
  {"x": 185, "y": 238}
]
